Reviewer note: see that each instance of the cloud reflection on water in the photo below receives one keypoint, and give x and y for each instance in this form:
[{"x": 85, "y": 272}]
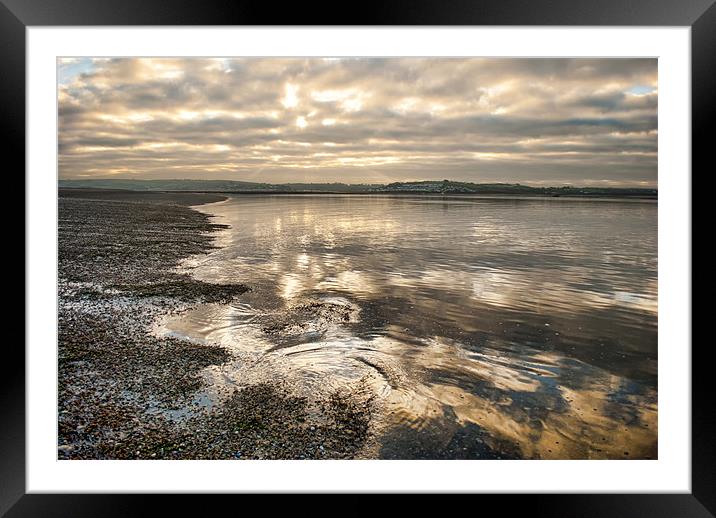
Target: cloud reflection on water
[{"x": 489, "y": 328}]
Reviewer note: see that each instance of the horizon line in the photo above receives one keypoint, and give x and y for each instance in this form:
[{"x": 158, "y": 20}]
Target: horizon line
[{"x": 535, "y": 186}]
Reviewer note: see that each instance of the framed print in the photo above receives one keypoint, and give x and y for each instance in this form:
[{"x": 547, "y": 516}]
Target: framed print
[{"x": 443, "y": 250}]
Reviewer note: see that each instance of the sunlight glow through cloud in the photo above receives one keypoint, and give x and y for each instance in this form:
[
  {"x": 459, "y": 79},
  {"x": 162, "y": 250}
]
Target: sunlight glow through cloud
[{"x": 290, "y": 100}]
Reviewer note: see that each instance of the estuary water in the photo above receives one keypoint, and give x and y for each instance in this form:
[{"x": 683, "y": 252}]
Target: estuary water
[{"x": 481, "y": 327}]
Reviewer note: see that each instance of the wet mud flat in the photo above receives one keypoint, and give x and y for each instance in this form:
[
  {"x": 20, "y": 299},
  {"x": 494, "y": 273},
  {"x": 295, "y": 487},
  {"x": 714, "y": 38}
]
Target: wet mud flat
[{"x": 123, "y": 392}]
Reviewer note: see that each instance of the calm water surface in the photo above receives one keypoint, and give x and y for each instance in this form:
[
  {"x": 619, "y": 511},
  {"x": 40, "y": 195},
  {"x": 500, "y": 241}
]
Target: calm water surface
[{"x": 485, "y": 328}]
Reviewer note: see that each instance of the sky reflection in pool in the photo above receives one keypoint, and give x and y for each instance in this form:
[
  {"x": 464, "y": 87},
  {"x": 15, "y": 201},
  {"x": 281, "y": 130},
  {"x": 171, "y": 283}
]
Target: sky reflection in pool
[{"x": 487, "y": 328}]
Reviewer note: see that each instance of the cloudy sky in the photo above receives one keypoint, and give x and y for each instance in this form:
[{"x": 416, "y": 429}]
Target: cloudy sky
[{"x": 375, "y": 120}]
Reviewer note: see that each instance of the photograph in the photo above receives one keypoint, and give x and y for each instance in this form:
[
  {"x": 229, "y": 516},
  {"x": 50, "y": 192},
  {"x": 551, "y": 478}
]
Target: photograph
[
  {"x": 443, "y": 248},
  {"x": 315, "y": 258}
]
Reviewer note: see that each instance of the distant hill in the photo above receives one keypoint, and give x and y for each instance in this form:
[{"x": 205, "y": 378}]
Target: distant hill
[
  {"x": 164, "y": 185},
  {"x": 424, "y": 187}
]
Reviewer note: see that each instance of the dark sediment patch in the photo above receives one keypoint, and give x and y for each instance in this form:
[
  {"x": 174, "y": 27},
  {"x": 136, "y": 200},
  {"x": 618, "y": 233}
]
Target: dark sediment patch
[
  {"x": 304, "y": 322},
  {"x": 188, "y": 290},
  {"x": 264, "y": 421},
  {"x": 127, "y": 394}
]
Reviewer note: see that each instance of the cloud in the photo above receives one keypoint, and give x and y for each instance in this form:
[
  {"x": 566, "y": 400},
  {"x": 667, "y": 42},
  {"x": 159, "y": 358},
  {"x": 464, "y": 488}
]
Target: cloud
[{"x": 537, "y": 121}]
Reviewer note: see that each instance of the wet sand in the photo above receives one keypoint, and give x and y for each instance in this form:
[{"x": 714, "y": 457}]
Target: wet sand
[{"x": 124, "y": 393}]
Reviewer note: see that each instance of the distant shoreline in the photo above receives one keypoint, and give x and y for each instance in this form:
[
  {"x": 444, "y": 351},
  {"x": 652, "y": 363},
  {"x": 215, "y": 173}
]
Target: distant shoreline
[
  {"x": 442, "y": 195},
  {"x": 434, "y": 194},
  {"x": 421, "y": 188}
]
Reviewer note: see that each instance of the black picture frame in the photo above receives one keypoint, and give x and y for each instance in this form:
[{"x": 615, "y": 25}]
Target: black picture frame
[{"x": 700, "y": 15}]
